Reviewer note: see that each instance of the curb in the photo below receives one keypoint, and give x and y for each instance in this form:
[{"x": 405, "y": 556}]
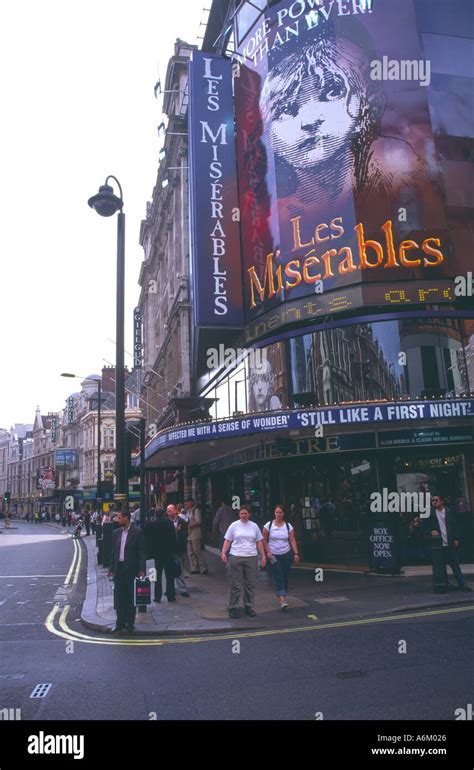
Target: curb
[{"x": 91, "y": 620}]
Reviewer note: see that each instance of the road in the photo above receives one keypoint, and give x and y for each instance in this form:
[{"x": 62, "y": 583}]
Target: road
[{"x": 417, "y": 668}]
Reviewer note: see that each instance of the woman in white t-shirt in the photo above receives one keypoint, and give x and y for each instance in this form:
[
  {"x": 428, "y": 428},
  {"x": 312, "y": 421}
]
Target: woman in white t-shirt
[
  {"x": 282, "y": 552},
  {"x": 244, "y": 539}
]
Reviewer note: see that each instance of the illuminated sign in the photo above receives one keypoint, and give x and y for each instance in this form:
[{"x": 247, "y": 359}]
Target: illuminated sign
[
  {"x": 137, "y": 339},
  {"x": 215, "y": 246},
  {"x": 311, "y": 419},
  {"x": 309, "y": 308}
]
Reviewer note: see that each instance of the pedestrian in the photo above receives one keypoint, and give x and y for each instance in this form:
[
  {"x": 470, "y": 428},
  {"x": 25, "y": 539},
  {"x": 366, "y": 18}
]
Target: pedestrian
[
  {"x": 181, "y": 532},
  {"x": 57, "y": 518},
  {"x": 282, "y": 552},
  {"x": 244, "y": 539},
  {"x": 442, "y": 523},
  {"x": 160, "y": 540},
  {"x": 222, "y": 520},
  {"x": 87, "y": 522},
  {"x": 36, "y": 517},
  {"x": 69, "y": 518},
  {"x": 128, "y": 562},
  {"x": 94, "y": 517},
  {"x": 196, "y": 558}
]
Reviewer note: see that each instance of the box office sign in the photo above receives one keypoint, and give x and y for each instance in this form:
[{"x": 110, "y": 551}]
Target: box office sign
[
  {"x": 384, "y": 545},
  {"x": 215, "y": 244}
]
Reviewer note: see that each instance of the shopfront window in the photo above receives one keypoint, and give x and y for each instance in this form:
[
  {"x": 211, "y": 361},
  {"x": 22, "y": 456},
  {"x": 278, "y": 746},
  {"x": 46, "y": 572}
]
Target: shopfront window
[
  {"x": 382, "y": 360},
  {"x": 444, "y": 474},
  {"x": 257, "y": 384}
]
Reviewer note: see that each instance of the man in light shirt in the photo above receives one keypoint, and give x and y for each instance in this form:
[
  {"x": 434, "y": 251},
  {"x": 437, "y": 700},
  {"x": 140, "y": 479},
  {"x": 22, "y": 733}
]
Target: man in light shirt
[
  {"x": 442, "y": 523},
  {"x": 128, "y": 562},
  {"x": 243, "y": 539}
]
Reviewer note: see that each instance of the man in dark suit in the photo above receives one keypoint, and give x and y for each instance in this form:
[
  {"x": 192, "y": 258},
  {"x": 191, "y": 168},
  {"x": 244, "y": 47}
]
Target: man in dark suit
[
  {"x": 160, "y": 541},
  {"x": 128, "y": 562},
  {"x": 442, "y": 523}
]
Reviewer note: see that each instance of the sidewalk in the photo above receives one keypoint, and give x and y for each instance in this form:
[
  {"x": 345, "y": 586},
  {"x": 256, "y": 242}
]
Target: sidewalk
[{"x": 340, "y": 596}]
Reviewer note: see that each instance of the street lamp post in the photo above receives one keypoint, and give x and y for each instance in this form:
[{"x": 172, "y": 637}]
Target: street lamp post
[
  {"x": 99, "y": 399},
  {"x": 106, "y": 204}
]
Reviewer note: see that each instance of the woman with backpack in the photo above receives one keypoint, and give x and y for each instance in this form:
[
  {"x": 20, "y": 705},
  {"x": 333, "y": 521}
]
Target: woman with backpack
[{"x": 282, "y": 552}]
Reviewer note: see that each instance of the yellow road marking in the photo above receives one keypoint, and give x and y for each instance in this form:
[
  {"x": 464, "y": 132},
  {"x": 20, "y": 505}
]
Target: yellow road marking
[
  {"x": 69, "y": 574},
  {"x": 76, "y": 576},
  {"x": 68, "y": 633}
]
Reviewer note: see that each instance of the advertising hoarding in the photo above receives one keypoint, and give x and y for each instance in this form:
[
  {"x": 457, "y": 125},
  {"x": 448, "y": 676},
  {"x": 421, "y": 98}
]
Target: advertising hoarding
[{"x": 339, "y": 178}]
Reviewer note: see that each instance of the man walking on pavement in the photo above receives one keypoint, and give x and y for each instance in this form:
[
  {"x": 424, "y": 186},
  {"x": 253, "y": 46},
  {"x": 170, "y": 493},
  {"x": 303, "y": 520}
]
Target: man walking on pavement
[
  {"x": 128, "y": 562},
  {"x": 196, "y": 557},
  {"x": 442, "y": 523},
  {"x": 181, "y": 531},
  {"x": 222, "y": 520}
]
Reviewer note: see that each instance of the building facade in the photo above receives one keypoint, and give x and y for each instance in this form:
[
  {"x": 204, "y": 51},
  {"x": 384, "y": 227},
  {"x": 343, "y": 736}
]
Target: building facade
[{"x": 345, "y": 363}]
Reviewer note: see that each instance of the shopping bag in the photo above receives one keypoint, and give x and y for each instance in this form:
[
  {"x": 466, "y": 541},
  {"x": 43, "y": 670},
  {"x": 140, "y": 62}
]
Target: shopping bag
[{"x": 142, "y": 592}]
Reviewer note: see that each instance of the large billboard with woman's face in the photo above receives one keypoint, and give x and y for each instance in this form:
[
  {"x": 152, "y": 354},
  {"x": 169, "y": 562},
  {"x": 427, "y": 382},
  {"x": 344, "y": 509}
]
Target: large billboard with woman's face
[{"x": 339, "y": 180}]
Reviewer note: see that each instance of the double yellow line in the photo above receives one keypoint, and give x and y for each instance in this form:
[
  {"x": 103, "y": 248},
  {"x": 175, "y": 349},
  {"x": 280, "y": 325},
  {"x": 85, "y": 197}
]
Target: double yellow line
[
  {"x": 76, "y": 562},
  {"x": 59, "y": 616}
]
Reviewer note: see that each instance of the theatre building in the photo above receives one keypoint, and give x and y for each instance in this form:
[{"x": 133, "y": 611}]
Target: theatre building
[{"x": 330, "y": 292}]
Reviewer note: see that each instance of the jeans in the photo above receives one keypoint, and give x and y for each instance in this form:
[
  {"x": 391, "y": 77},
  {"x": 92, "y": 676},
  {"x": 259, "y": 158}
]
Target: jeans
[
  {"x": 451, "y": 558},
  {"x": 281, "y": 570}
]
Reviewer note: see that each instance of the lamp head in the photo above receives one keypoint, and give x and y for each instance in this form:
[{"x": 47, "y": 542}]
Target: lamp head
[{"x": 105, "y": 202}]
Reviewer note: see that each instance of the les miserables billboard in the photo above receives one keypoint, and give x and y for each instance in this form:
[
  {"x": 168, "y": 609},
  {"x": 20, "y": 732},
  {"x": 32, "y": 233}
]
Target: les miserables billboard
[{"x": 339, "y": 183}]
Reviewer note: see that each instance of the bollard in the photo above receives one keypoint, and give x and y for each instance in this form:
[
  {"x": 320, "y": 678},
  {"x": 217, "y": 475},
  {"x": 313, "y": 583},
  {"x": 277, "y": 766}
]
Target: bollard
[{"x": 440, "y": 576}]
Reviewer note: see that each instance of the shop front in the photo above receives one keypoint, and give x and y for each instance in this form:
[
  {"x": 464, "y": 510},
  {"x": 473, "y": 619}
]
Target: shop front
[{"x": 326, "y": 484}]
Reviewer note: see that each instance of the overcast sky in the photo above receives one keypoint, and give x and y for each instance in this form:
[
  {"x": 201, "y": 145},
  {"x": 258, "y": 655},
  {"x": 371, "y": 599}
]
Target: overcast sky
[{"x": 77, "y": 105}]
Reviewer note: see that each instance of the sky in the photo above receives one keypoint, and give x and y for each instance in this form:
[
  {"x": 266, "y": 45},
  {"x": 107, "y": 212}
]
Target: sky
[{"x": 77, "y": 104}]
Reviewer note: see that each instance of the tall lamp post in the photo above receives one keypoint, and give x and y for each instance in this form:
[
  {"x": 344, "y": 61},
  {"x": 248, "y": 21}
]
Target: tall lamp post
[
  {"x": 99, "y": 399},
  {"x": 106, "y": 204}
]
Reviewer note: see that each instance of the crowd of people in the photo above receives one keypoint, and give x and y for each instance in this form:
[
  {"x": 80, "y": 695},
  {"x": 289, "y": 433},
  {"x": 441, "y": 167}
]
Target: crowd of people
[{"x": 173, "y": 539}]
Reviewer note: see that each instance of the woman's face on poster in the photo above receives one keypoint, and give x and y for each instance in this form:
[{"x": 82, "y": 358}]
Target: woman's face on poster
[
  {"x": 261, "y": 390},
  {"x": 318, "y": 123}
]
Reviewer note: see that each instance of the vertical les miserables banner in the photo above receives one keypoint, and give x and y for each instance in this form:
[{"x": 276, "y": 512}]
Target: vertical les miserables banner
[{"x": 213, "y": 202}]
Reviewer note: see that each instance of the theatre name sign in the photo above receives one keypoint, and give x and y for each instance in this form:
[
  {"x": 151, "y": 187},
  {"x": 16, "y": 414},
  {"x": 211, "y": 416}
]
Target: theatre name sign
[{"x": 313, "y": 418}]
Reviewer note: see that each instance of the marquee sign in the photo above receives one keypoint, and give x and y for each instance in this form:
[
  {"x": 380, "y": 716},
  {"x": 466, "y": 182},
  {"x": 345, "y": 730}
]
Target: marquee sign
[{"x": 371, "y": 414}]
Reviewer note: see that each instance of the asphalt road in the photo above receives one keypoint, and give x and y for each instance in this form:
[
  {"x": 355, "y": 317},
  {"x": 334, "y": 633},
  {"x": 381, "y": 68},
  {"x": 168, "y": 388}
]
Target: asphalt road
[{"x": 351, "y": 672}]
